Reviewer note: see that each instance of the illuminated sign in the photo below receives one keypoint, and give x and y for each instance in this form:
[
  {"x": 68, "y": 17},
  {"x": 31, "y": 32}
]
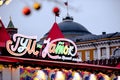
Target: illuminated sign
[{"x": 61, "y": 48}]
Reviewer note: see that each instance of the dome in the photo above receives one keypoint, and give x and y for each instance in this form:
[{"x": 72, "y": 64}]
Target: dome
[
  {"x": 68, "y": 26},
  {"x": 71, "y": 29}
]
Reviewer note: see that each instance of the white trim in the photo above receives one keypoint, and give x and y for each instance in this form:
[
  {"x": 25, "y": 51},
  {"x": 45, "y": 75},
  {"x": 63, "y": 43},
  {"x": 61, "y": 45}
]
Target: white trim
[{"x": 95, "y": 54}]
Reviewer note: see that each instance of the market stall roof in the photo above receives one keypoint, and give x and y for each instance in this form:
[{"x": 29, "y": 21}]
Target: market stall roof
[
  {"x": 55, "y": 32},
  {"x": 4, "y": 36},
  {"x": 2, "y": 44},
  {"x": 50, "y": 63},
  {"x": 8, "y": 59},
  {"x": 118, "y": 66}
]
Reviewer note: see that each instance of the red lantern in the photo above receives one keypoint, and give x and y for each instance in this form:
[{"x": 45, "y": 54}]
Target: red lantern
[
  {"x": 56, "y": 11},
  {"x": 26, "y": 11}
]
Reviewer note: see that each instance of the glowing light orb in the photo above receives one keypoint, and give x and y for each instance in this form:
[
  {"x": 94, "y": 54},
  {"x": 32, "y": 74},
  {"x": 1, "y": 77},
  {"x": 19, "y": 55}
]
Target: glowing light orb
[
  {"x": 77, "y": 76},
  {"x": 36, "y": 6},
  {"x": 40, "y": 75},
  {"x": 26, "y": 11},
  {"x": 60, "y": 76}
]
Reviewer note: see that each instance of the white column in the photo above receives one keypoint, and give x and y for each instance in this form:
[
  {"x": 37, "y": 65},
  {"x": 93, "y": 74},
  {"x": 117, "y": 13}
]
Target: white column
[
  {"x": 107, "y": 52},
  {"x": 16, "y": 74},
  {"x": 98, "y": 53},
  {"x": 6, "y": 74}
]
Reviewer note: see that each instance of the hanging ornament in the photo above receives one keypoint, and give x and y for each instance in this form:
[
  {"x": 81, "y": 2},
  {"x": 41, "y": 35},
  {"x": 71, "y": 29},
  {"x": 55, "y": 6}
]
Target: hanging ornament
[
  {"x": 26, "y": 11},
  {"x": 36, "y": 6},
  {"x": 56, "y": 11}
]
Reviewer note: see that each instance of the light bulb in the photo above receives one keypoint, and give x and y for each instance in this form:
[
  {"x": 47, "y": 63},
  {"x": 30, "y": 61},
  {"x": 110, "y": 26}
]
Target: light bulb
[
  {"x": 7, "y": 2},
  {"x": 1, "y": 3}
]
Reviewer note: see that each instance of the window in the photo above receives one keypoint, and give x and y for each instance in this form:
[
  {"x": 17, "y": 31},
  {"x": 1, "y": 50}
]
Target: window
[
  {"x": 87, "y": 54},
  {"x": 112, "y": 51},
  {"x": 103, "y": 53},
  {"x": 117, "y": 53},
  {"x": 95, "y": 54},
  {"x": 80, "y": 55}
]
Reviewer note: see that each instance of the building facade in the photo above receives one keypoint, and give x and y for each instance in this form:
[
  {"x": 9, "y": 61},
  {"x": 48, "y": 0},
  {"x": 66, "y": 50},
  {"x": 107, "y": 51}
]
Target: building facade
[{"x": 91, "y": 47}]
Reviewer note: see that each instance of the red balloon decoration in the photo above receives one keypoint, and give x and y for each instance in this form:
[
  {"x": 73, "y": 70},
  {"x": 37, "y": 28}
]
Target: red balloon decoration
[
  {"x": 56, "y": 11},
  {"x": 26, "y": 11}
]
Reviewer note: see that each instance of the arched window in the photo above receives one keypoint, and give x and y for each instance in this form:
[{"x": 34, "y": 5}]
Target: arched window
[
  {"x": 116, "y": 52},
  {"x": 87, "y": 55},
  {"x": 103, "y": 53},
  {"x": 80, "y": 55}
]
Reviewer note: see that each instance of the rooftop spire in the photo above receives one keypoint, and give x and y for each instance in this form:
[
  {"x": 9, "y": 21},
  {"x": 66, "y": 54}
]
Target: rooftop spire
[
  {"x": 10, "y": 18},
  {"x": 67, "y": 18},
  {"x": 4, "y": 36},
  {"x": 66, "y": 4},
  {"x": 55, "y": 32},
  {"x": 10, "y": 25}
]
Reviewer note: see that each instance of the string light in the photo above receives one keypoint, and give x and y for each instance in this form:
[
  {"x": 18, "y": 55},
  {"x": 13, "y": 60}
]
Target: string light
[
  {"x": 2, "y": 2},
  {"x": 7, "y": 2}
]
